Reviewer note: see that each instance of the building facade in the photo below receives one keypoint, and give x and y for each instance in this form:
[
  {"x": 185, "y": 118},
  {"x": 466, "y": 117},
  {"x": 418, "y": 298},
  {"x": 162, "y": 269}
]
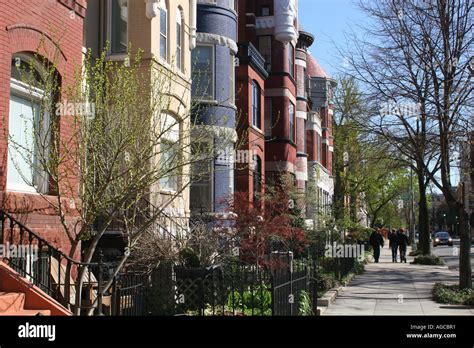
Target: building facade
[
  {"x": 319, "y": 136},
  {"x": 31, "y": 33},
  {"x": 213, "y": 94},
  {"x": 164, "y": 30}
]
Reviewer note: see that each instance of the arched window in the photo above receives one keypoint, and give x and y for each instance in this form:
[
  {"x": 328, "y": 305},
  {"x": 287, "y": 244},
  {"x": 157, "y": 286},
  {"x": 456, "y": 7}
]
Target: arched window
[
  {"x": 28, "y": 127},
  {"x": 179, "y": 39},
  {"x": 291, "y": 111},
  {"x": 256, "y": 107},
  {"x": 163, "y": 30},
  {"x": 257, "y": 178},
  {"x": 169, "y": 152}
]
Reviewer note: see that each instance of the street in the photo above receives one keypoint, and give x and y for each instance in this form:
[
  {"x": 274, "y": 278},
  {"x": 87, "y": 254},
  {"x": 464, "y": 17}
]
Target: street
[{"x": 451, "y": 254}]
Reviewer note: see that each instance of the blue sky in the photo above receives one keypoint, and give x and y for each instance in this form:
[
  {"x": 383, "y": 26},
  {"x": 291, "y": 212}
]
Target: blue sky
[{"x": 328, "y": 20}]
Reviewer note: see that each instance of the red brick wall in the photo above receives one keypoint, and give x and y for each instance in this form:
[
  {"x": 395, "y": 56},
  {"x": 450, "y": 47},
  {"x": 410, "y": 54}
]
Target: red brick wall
[
  {"x": 249, "y": 138},
  {"x": 23, "y": 25}
]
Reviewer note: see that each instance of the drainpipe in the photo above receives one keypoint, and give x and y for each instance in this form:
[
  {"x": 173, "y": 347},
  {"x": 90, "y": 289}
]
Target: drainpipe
[{"x": 192, "y": 24}]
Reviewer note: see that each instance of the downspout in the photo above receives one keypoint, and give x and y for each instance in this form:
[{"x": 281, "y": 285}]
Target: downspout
[{"x": 192, "y": 24}]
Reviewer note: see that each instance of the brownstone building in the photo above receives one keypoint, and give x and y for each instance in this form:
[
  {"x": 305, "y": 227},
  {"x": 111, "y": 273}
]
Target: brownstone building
[{"x": 31, "y": 31}]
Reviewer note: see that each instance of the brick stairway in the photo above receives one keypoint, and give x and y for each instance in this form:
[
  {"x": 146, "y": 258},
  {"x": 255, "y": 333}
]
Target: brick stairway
[
  {"x": 13, "y": 304},
  {"x": 19, "y": 297}
]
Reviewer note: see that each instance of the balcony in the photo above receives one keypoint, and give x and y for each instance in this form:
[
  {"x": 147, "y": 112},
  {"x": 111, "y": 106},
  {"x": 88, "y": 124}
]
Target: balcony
[{"x": 248, "y": 54}]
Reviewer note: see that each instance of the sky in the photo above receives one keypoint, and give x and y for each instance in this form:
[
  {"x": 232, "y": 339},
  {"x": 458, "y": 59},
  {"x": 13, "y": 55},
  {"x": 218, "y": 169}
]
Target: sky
[{"x": 328, "y": 20}]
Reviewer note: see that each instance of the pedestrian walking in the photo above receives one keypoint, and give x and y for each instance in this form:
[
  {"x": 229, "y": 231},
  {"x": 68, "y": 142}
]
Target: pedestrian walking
[
  {"x": 393, "y": 244},
  {"x": 402, "y": 241},
  {"x": 376, "y": 241}
]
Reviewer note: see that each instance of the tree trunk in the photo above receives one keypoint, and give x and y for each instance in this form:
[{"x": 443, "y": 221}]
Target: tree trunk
[
  {"x": 423, "y": 222},
  {"x": 465, "y": 277}
]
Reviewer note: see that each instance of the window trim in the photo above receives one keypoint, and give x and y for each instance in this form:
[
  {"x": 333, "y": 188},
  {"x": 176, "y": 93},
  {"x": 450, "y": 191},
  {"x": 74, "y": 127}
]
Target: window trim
[
  {"x": 291, "y": 60},
  {"x": 109, "y": 29},
  {"x": 256, "y": 109},
  {"x": 211, "y": 174},
  {"x": 175, "y": 142},
  {"x": 212, "y": 69},
  {"x": 21, "y": 90},
  {"x": 179, "y": 40},
  {"x": 292, "y": 122},
  {"x": 164, "y": 7}
]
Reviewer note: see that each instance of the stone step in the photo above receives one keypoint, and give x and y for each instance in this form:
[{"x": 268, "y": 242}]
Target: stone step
[
  {"x": 11, "y": 301},
  {"x": 26, "y": 313}
]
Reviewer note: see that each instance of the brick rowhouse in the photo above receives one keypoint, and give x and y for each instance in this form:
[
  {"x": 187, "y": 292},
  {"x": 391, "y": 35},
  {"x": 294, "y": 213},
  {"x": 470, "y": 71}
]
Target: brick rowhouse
[
  {"x": 271, "y": 26},
  {"x": 24, "y": 27}
]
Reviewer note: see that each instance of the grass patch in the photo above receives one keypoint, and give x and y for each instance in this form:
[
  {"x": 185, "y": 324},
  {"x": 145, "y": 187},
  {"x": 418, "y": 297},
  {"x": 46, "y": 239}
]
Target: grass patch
[
  {"x": 431, "y": 260},
  {"x": 451, "y": 294}
]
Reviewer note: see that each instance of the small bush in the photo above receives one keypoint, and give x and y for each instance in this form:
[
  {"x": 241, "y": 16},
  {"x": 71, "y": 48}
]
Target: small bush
[
  {"x": 417, "y": 252},
  {"x": 431, "y": 260},
  {"x": 325, "y": 281},
  {"x": 451, "y": 294},
  {"x": 306, "y": 306}
]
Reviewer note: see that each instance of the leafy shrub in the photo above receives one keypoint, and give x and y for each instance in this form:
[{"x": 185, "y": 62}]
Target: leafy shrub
[
  {"x": 257, "y": 301},
  {"x": 451, "y": 294},
  {"x": 432, "y": 260},
  {"x": 417, "y": 252},
  {"x": 306, "y": 305},
  {"x": 325, "y": 281}
]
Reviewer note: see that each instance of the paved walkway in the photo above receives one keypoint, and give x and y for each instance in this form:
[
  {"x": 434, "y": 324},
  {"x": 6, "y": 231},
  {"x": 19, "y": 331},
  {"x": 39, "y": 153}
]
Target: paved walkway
[{"x": 390, "y": 288}]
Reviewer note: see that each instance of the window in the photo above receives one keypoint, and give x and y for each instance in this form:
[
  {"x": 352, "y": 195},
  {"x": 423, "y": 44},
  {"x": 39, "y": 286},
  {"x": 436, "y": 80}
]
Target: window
[
  {"x": 179, "y": 39},
  {"x": 29, "y": 132},
  {"x": 268, "y": 117},
  {"x": 265, "y": 48},
  {"x": 257, "y": 178},
  {"x": 256, "y": 117},
  {"x": 169, "y": 153},
  {"x": 291, "y": 112},
  {"x": 291, "y": 60},
  {"x": 163, "y": 30},
  {"x": 265, "y": 11},
  {"x": 203, "y": 72},
  {"x": 202, "y": 183},
  {"x": 118, "y": 25},
  {"x": 232, "y": 79}
]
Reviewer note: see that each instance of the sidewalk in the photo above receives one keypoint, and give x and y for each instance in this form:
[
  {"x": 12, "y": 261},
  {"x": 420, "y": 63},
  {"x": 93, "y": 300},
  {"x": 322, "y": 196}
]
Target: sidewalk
[{"x": 390, "y": 288}]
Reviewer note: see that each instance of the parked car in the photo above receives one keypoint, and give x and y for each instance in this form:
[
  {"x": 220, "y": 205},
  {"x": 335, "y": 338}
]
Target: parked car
[{"x": 442, "y": 238}]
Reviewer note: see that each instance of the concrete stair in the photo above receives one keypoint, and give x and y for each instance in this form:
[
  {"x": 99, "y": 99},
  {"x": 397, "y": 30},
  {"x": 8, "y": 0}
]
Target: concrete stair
[{"x": 13, "y": 304}]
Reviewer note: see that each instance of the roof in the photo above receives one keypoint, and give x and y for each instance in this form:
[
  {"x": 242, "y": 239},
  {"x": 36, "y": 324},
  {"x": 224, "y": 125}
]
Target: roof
[{"x": 314, "y": 69}]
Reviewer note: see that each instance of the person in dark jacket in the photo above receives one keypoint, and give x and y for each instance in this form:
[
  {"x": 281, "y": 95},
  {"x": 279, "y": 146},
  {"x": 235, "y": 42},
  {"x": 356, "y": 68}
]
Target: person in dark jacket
[
  {"x": 393, "y": 244},
  {"x": 376, "y": 241},
  {"x": 402, "y": 240}
]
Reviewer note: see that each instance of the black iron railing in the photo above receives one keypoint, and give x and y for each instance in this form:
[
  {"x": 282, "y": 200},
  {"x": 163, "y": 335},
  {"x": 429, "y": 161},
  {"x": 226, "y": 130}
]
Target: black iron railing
[{"x": 50, "y": 269}]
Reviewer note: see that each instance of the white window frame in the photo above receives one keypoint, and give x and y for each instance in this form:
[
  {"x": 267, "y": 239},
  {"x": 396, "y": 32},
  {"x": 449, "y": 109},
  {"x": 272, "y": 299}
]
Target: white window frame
[
  {"x": 212, "y": 87},
  {"x": 180, "y": 38},
  {"x": 21, "y": 90},
  {"x": 167, "y": 135},
  {"x": 210, "y": 143},
  {"x": 164, "y": 7}
]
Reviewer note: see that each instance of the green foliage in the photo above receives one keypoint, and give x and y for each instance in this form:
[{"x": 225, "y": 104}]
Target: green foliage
[
  {"x": 306, "y": 307},
  {"x": 256, "y": 301},
  {"x": 431, "y": 260},
  {"x": 416, "y": 252},
  {"x": 451, "y": 294}
]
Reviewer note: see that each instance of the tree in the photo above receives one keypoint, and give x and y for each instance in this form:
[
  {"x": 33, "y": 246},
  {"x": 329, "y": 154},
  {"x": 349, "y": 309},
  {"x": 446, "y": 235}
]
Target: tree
[
  {"x": 417, "y": 63},
  {"x": 123, "y": 145}
]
